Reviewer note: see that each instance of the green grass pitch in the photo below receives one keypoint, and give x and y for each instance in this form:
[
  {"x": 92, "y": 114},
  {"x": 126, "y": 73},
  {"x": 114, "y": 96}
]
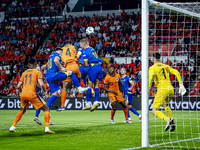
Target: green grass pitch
[{"x": 84, "y": 130}]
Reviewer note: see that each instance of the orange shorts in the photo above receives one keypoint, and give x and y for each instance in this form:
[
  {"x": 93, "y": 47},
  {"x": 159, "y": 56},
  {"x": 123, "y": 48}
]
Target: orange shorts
[
  {"x": 36, "y": 100},
  {"x": 119, "y": 98},
  {"x": 73, "y": 66}
]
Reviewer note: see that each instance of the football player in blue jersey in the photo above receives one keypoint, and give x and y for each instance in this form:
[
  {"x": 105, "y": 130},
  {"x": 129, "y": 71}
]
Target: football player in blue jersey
[
  {"x": 45, "y": 97},
  {"x": 53, "y": 75},
  {"x": 83, "y": 69},
  {"x": 127, "y": 86},
  {"x": 95, "y": 73}
]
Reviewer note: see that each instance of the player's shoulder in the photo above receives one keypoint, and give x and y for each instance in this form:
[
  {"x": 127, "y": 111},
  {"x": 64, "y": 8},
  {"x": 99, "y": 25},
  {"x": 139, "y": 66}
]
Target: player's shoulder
[{"x": 117, "y": 76}]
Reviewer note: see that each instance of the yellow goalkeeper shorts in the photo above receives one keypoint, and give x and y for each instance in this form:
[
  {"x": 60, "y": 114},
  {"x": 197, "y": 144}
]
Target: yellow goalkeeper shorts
[{"x": 163, "y": 96}]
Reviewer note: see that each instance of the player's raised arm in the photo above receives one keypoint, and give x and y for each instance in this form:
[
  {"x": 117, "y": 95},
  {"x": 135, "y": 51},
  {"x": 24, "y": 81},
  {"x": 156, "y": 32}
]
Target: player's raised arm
[
  {"x": 176, "y": 73},
  {"x": 19, "y": 85},
  {"x": 132, "y": 84},
  {"x": 120, "y": 86},
  {"x": 151, "y": 75},
  {"x": 182, "y": 89},
  {"x": 107, "y": 90},
  {"x": 79, "y": 54},
  {"x": 57, "y": 62}
]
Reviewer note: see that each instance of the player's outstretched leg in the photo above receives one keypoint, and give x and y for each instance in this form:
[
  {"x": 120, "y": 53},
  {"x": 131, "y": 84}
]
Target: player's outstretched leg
[
  {"x": 135, "y": 112},
  {"x": 17, "y": 119},
  {"x": 45, "y": 108},
  {"x": 96, "y": 104},
  {"x": 36, "y": 117},
  {"x": 125, "y": 111},
  {"x": 170, "y": 120},
  {"x": 76, "y": 82},
  {"x": 113, "y": 110},
  {"x": 88, "y": 99}
]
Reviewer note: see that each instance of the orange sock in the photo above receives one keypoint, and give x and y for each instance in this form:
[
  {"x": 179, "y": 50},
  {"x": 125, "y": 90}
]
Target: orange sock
[
  {"x": 82, "y": 84},
  {"x": 112, "y": 114},
  {"x": 63, "y": 98},
  {"x": 17, "y": 118},
  {"x": 125, "y": 113},
  {"x": 46, "y": 118}
]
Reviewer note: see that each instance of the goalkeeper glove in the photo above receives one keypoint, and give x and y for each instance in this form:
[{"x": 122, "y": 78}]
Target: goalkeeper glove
[{"x": 182, "y": 89}]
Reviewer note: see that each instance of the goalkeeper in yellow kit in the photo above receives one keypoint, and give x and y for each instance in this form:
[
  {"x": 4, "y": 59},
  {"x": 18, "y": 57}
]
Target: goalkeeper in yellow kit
[{"x": 159, "y": 73}]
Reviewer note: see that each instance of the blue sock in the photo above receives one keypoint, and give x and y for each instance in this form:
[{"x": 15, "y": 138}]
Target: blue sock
[
  {"x": 128, "y": 113},
  {"x": 134, "y": 111},
  {"x": 96, "y": 94},
  {"x": 88, "y": 94},
  {"x": 75, "y": 79},
  {"x": 37, "y": 112},
  {"x": 51, "y": 100}
]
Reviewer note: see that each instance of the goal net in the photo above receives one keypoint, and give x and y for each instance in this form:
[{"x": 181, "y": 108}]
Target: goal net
[{"x": 174, "y": 33}]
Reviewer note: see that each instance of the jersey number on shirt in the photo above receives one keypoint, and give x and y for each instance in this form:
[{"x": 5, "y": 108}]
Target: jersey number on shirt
[
  {"x": 163, "y": 71},
  {"x": 95, "y": 55},
  {"x": 50, "y": 63},
  {"x": 68, "y": 52},
  {"x": 30, "y": 76}
]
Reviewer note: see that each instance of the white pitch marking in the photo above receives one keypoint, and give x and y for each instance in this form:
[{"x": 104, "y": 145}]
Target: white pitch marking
[{"x": 163, "y": 143}]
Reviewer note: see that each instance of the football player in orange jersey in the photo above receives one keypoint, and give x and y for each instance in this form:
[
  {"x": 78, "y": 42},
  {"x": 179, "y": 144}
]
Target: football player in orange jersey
[
  {"x": 69, "y": 57},
  {"x": 29, "y": 80},
  {"x": 113, "y": 86}
]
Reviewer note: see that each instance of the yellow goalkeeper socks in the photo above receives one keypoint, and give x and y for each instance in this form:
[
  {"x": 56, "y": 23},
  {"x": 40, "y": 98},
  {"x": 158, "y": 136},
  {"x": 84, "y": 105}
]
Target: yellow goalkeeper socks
[
  {"x": 169, "y": 112},
  {"x": 161, "y": 115}
]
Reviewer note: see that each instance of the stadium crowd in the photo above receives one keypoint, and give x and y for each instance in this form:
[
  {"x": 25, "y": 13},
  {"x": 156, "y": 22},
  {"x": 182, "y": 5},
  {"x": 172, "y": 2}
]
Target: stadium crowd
[{"x": 115, "y": 36}]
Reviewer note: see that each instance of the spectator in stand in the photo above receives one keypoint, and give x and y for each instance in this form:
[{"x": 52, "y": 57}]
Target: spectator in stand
[
  {"x": 122, "y": 53},
  {"x": 73, "y": 91},
  {"x": 104, "y": 94},
  {"x": 105, "y": 69},
  {"x": 77, "y": 44},
  {"x": 107, "y": 54},
  {"x": 137, "y": 61},
  {"x": 5, "y": 90},
  {"x": 168, "y": 62},
  {"x": 123, "y": 14},
  {"x": 98, "y": 46},
  {"x": 132, "y": 64}
]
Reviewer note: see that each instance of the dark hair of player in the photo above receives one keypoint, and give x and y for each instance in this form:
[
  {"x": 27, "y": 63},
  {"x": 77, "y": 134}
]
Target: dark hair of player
[
  {"x": 67, "y": 42},
  {"x": 32, "y": 61},
  {"x": 156, "y": 55},
  {"x": 112, "y": 66},
  {"x": 58, "y": 49}
]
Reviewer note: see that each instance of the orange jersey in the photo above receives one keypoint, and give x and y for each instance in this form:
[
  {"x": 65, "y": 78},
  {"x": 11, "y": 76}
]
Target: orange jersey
[
  {"x": 29, "y": 79},
  {"x": 113, "y": 83},
  {"x": 69, "y": 54}
]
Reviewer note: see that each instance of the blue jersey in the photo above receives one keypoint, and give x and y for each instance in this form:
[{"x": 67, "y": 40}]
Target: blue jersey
[
  {"x": 52, "y": 67},
  {"x": 89, "y": 54},
  {"x": 126, "y": 83},
  {"x": 80, "y": 52}
]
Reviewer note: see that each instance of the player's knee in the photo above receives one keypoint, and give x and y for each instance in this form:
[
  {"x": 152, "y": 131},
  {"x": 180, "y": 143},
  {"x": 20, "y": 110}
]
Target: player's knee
[
  {"x": 114, "y": 109},
  {"x": 153, "y": 112},
  {"x": 23, "y": 110},
  {"x": 70, "y": 73},
  {"x": 129, "y": 106},
  {"x": 45, "y": 108}
]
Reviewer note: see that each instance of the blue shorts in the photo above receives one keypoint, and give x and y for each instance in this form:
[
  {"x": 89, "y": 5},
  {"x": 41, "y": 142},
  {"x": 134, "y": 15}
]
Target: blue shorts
[
  {"x": 53, "y": 79},
  {"x": 95, "y": 72},
  {"x": 128, "y": 97},
  {"x": 84, "y": 71}
]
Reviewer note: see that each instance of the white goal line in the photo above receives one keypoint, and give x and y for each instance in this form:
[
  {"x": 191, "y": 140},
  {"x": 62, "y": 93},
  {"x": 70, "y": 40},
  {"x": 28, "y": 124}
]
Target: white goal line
[{"x": 163, "y": 143}]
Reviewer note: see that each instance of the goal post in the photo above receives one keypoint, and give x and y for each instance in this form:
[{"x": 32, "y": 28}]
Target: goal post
[{"x": 145, "y": 86}]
